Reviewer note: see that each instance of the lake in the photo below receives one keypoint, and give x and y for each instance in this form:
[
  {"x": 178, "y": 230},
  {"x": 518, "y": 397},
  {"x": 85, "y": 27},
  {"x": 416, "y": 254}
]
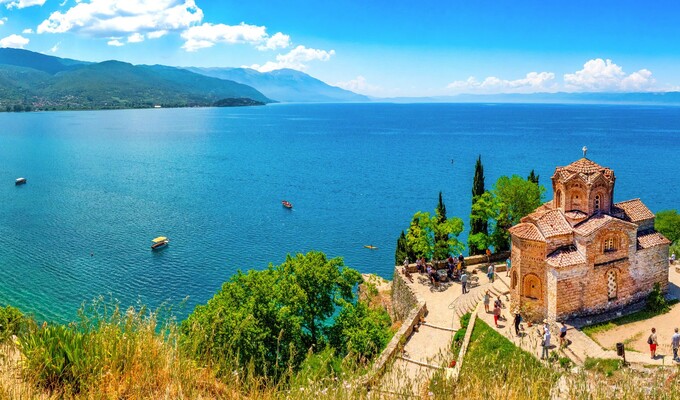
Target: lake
[{"x": 102, "y": 184}]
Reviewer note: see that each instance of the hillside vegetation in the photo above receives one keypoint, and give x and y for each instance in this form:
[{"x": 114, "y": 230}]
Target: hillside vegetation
[{"x": 32, "y": 81}]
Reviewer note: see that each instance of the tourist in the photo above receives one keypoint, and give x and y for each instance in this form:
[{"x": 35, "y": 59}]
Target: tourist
[
  {"x": 675, "y": 343},
  {"x": 463, "y": 281},
  {"x": 672, "y": 258},
  {"x": 518, "y": 321},
  {"x": 496, "y": 313},
  {"x": 490, "y": 273},
  {"x": 488, "y": 255},
  {"x": 651, "y": 340},
  {"x": 487, "y": 300},
  {"x": 545, "y": 344},
  {"x": 563, "y": 335},
  {"x": 461, "y": 261},
  {"x": 405, "y": 262},
  {"x": 419, "y": 265},
  {"x": 507, "y": 267},
  {"x": 546, "y": 326}
]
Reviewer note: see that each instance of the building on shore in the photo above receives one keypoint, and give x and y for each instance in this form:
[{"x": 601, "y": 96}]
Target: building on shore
[{"x": 583, "y": 254}]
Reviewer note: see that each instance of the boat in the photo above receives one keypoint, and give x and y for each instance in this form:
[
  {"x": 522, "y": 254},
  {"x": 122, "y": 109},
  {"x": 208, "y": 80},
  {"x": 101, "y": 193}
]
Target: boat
[
  {"x": 20, "y": 181},
  {"x": 287, "y": 204},
  {"x": 368, "y": 246},
  {"x": 159, "y": 242}
]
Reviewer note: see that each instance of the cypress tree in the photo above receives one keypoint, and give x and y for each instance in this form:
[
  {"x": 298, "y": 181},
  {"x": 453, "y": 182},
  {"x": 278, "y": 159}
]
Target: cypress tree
[
  {"x": 533, "y": 177},
  {"x": 402, "y": 250},
  {"x": 477, "y": 225},
  {"x": 441, "y": 239}
]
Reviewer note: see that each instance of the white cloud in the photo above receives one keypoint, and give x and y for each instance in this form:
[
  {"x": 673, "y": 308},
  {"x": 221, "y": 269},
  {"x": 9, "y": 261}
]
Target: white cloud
[
  {"x": 135, "y": 38},
  {"x": 603, "y": 75},
  {"x": 115, "y": 43},
  {"x": 16, "y": 41},
  {"x": 295, "y": 59},
  {"x": 28, "y": 31},
  {"x": 276, "y": 41},
  {"x": 3, "y": 20},
  {"x": 532, "y": 82},
  {"x": 156, "y": 34},
  {"x": 358, "y": 84},
  {"x": 55, "y": 48},
  {"x": 207, "y": 35},
  {"x": 21, "y": 3},
  {"x": 104, "y": 18}
]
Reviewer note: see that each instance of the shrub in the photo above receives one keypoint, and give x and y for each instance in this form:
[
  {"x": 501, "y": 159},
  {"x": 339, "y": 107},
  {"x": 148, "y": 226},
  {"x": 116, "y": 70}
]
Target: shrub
[
  {"x": 12, "y": 321},
  {"x": 565, "y": 362},
  {"x": 656, "y": 301},
  {"x": 465, "y": 320},
  {"x": 604, "y": 366}
]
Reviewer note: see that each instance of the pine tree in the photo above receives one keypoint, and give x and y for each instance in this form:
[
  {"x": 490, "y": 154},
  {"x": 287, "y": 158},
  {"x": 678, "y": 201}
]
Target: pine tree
[
  {"x": 477, "y": 225},
  {"x": 533, "y": 177}
]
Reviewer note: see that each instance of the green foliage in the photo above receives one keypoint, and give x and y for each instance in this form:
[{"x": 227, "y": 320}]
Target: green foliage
[
  {"x": 465, "y": 320},
  {"x": 12, "y": 322},
  {"x": 402, "y": 250},
  {"x": 478, "y": 225},
  {"x": 565, "y": 362},
  {"x": 425, "y": 228},
  {"x": 533, "y": 177},
  {"x": 360, "y": 330},
  {"x": 668, "y": 223},
  {"x": 511, "y": 199},
  {"x": 605, "y": 366},
  {"x": 270, "y": 317},
  {"x": 656, "y": 301}
]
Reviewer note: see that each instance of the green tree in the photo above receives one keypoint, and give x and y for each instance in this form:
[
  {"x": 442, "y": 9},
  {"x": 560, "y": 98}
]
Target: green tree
[
  {"x": 270, "y": 317},
  {"x": 425, "y": 228},
  {"x": 402, "y": 249},
  {"x": 360, "y": 330},
  {"x": 533, "y": 177},
  {"x": 477, "y": 225},
  {"x": 515, "y": 198},
  {"x": 484, "y": 209},
  {"x": 668, "y": 223}
]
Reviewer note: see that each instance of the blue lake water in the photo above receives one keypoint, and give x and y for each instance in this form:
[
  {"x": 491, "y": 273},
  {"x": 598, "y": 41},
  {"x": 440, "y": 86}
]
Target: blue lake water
[{"x": 102, "y": 184}]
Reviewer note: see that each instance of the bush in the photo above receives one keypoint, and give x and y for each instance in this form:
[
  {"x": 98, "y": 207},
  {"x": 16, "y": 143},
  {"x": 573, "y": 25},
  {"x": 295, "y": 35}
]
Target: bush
[
  {"x": 12, "y": 321},
  {"x": 606, "y": 366},
  {"x": 465, "y": 321},
  {"x": 656, "y": 301},
  {"x": 565, "y": 362}
]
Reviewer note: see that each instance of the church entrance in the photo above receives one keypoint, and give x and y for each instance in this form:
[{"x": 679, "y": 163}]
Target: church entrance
[{"x": 532, "y": 287}]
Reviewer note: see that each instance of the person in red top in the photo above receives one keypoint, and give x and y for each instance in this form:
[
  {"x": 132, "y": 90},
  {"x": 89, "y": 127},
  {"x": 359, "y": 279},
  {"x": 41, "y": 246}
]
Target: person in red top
[{"x": 652, "y": 343}]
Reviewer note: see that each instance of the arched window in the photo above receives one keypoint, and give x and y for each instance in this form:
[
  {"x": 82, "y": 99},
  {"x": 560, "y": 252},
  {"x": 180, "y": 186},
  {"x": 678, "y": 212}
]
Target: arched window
[
  {"x": 513, "y": 282},
  {"x": 612, "y": 286},
  {"x": 609, "y": 244},
  {"x": 558, "y": 199},
  {"x": 597, "y": 203}
]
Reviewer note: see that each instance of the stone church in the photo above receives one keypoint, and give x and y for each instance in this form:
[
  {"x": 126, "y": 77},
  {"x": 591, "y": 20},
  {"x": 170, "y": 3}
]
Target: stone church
[{"x": 581, "y": 253}]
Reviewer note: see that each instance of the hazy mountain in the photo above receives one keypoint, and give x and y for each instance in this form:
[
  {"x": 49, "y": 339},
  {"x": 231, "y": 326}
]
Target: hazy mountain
[
  {"x": 660, "y": 98},
  {"x": 285, "y": 85},
  {"x": 33, "y": 80}
]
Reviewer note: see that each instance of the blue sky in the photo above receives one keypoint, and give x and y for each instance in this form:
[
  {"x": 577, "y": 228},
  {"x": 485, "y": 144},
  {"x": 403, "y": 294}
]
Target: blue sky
[{"x": 397, "y": 48}]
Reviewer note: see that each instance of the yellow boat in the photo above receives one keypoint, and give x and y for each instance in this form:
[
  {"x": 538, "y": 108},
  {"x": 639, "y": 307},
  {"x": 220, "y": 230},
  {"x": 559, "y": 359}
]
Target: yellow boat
[
  {"x": 159, "y": 242},
  {"x": 371, "y": 247}
]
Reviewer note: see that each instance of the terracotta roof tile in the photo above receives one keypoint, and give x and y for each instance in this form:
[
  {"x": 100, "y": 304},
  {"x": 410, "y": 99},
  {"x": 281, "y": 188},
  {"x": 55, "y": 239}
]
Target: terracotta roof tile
[
  {"x": 586, "y": 168},
  {"x": 576, "y": 215},
  {"x": 565, "y": 257},
  {"x": 592, "y": 224},
  {"x": 553, "y": 223},
  {"x": 651, "y": 238},
  {"x": 633, "y": 210},
  {"x": 528, "y": 231}
]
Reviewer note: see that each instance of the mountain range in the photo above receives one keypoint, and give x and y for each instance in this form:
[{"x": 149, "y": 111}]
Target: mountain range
[{"x": 285, "y": 85}]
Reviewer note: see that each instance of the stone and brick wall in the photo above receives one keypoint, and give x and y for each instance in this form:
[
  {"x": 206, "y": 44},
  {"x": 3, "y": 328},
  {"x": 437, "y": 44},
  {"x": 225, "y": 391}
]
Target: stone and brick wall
[{"x": 403, "y": 299}]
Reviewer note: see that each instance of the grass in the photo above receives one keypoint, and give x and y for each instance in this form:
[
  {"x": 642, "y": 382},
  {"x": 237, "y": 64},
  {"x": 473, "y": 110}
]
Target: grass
[
  {"x": 495, "y": 368},
  {"x": 641, "y": 315},
  {"x": 605, "y": 366}
]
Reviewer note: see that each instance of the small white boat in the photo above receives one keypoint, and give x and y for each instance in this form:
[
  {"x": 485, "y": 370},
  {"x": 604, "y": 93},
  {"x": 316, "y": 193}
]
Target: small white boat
[
  {"x": 159, "y": 242},
  {"x": 20, "y": 181}
]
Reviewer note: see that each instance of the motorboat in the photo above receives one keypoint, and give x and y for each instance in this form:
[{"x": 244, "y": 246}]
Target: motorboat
[
  {"x": 287, "y": 204},
  {"x": 159, "y": 242},
  {"x": 20, "y": 181},
  {"x": 370, "y": 247}
]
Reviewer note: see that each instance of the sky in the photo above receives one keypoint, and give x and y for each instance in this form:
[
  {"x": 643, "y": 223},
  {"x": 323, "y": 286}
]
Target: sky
[{"x": 375, "y": 47}]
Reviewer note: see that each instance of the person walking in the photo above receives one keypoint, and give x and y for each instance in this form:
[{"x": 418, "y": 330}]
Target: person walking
[
  {"x": 675, "y": 343},
  {"x": 507, "y": 267},
  {"x": 563, "y": 335},
  {"x": 651, "y": 340},
  {"x": 463, "y": 281},
  {"x": 489, "y": 273},
  {"x": 496, "y": 313},
  {"x": 487, "y": 300},
  {"x": 518, "y": 321},
  {"x": 545, "y": 344}
]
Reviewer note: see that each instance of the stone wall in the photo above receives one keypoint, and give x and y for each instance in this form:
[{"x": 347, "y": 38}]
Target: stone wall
[{"x": 403, "y": 299}]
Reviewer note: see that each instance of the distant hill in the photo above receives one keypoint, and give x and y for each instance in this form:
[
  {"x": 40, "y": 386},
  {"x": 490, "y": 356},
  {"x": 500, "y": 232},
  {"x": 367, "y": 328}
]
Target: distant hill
[
  {"x": 658, "y": 98},
  {"x": 286, "y": 85},
  {"x": 31, "y": 80}
]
